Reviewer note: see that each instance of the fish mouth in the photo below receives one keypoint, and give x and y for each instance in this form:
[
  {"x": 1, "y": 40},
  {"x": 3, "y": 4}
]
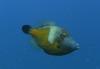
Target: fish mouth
[
  {"x": 70, "y": 44},
  {"x": 26, "y": 28}
]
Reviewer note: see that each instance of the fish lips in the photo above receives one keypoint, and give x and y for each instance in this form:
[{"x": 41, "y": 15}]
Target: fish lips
[{"x": 69, "y": 44}]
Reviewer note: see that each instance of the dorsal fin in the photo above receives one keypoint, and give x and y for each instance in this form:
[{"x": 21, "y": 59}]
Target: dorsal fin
[{"x": 45, "y": 23}]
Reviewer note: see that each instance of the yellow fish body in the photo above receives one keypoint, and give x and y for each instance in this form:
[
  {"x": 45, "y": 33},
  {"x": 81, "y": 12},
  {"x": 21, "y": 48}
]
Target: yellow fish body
[{"x": 52, "y": 39}]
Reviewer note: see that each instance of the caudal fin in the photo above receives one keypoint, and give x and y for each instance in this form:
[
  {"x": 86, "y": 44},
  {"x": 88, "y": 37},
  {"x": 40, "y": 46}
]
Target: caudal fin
[{"x": 26, "y": 28}]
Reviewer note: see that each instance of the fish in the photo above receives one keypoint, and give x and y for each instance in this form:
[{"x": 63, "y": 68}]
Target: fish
[{"x": 52, "y": 39}]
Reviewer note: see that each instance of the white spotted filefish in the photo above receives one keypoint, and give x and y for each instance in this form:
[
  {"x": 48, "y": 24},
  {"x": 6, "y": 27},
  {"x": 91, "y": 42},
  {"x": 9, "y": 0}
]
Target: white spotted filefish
[{"x": 52, "y": 39}]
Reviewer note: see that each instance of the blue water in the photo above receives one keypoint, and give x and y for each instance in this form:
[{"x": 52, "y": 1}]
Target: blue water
[{"x": 80, "y": 17}]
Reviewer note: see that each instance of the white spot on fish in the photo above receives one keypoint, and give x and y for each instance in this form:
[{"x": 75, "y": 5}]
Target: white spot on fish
[{"x": 54, "y": 33}]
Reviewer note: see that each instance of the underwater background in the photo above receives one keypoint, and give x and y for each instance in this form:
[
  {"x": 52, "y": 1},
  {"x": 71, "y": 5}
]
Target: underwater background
[{"x": 80, "y": 17}]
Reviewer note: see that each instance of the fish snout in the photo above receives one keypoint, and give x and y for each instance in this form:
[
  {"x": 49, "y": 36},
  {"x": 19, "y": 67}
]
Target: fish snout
[
  {"x": 73, "y": 44},
  {"x": 76, "y": 46},
  {"x": 70, "y": 43}
]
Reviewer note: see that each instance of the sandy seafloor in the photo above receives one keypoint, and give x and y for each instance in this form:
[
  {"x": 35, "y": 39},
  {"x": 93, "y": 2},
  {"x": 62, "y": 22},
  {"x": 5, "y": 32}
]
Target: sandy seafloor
[{"x": 80, "y": 17}]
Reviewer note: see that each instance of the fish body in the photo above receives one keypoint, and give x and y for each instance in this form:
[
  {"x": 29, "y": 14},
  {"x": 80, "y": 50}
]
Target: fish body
[{"x": 52, "y": 39}]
